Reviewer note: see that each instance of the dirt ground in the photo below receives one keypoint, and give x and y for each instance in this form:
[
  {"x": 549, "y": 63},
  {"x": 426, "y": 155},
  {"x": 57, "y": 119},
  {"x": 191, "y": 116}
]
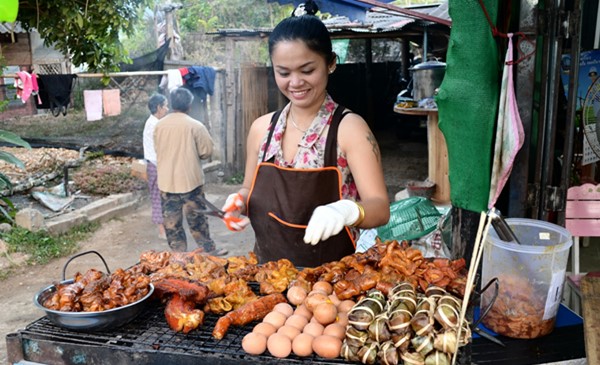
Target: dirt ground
[{"x": 120, "y": 241}]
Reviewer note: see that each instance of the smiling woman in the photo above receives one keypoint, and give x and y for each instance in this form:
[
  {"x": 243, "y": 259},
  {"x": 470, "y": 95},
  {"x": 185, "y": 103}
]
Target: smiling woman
[{"x": 322, "y": 177}]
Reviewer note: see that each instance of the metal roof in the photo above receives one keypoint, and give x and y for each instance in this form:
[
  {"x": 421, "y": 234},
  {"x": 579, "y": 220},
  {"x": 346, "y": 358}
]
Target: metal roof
[
  {"x": 353, "y": 9},
  {"x": 11, "y": 28},
  {"x": 377, "y": 21}
]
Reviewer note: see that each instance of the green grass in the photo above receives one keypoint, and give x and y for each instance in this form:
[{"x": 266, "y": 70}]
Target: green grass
[
  {"x": 235, "y": 179},
  {"x": 41, "y": 246}
]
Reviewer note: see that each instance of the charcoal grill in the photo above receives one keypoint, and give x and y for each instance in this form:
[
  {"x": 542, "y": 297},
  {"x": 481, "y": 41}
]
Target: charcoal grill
[{"x": 147, "y": 339}]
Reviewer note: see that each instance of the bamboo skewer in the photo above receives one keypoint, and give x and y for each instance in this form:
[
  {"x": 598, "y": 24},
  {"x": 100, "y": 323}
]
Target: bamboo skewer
[{"x": 482, "y": 232}]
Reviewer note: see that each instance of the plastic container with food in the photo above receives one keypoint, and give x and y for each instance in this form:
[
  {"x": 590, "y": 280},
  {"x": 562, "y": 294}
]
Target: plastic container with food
[{"x": 530, "y": 275}]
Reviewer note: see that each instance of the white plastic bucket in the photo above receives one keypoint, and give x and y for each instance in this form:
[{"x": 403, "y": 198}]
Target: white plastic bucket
[{"x": 531, "y": 277}]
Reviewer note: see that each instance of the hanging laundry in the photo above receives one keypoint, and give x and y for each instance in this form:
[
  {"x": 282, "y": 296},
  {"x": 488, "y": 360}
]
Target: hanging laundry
[
  {"x": 509, "y": 130},
  {"x": 111, "y": 102},
  {"x": 183, "y": 71},
  {"x": 92, "y": 101},
  {"x": 35, "y": 87},
  {"x": 201, "y": 78},
  {"x": 172, "y": 80},
  {"x": 23, "y": 85},
  {"x": 56, "y": 93}
]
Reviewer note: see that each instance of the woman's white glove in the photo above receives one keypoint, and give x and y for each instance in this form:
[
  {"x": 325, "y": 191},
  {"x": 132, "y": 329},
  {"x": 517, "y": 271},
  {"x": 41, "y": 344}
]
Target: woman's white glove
[
  {"x": 234, "y": 202},
  {"x": 328, "y": 220},
  {"x": 233, "y": 208}
]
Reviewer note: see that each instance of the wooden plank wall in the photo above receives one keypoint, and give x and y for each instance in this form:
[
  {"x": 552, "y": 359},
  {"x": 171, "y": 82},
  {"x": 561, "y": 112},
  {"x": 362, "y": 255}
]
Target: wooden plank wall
[
  {"x": 254, "y": 96},
  {"x": 18, "y": 53},
  {"x": 590, "y": 292}
]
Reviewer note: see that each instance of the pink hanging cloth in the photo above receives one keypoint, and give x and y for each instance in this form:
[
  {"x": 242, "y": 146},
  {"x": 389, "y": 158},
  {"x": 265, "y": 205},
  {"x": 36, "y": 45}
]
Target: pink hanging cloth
[
  {"x": 509, "y": 130},
  {"x": 92, "y": 101},
  {"x": 35, "y": 87},
  {"x": 23, "y": 85},
  {"x": 111, "y": 100}
]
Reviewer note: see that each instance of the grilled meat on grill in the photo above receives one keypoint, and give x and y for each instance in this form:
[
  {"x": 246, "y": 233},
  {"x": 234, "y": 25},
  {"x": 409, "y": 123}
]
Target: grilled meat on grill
[
  {"x": 189, "y": 291},
  {"x": 247, "y": 313},
  {"x": 181, "y": 314}
]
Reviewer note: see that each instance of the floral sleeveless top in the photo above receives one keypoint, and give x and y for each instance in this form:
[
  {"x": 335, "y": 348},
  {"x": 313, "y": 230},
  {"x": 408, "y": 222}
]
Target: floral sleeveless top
[{"x": 311, "y": 149}]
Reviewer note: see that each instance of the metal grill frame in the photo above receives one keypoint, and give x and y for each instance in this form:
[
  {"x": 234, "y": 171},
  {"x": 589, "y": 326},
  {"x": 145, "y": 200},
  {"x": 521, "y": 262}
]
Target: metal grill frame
[{"x": 147, "y": 339}]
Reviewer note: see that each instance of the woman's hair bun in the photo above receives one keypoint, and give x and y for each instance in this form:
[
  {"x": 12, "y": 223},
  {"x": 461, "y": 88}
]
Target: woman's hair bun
[{"x": 309, "y": 7}]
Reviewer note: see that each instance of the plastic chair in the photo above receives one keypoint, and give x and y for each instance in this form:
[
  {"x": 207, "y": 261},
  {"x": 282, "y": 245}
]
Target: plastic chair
[{"x": 582, "y": 219}]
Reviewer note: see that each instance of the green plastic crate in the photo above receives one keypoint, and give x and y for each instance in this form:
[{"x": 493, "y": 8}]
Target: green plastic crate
[{"x": 410, "y": 219}]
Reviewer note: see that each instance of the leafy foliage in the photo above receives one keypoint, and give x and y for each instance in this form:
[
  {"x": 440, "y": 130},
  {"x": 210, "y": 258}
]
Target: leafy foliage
[
  {"x": 7, "y": 210},
  {"x": 207, "y": 16},
  {"x": 87, "y": 30},
  {"x": 9, "y": 137}
]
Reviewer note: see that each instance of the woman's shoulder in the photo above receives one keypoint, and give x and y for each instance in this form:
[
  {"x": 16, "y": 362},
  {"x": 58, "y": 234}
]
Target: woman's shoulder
[
  {"x": 262, "y": 122},
  {"x": 351, "y": 121},
  {"x": 352, "y": 130}
]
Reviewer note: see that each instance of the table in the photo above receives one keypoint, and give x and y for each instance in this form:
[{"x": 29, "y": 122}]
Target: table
[{"x": 437, "y": 153}]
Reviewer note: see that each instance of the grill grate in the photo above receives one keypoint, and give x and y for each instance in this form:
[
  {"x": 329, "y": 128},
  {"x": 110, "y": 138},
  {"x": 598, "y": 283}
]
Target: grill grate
[{"x": 150, "y": 332}]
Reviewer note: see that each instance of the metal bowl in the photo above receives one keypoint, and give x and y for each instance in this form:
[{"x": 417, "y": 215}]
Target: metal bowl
[{"x": 91, "y": 321}]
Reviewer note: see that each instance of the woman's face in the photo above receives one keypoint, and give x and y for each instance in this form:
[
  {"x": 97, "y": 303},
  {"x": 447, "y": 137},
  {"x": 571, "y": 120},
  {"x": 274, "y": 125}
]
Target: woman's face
[{"x": 300, "y": 74}]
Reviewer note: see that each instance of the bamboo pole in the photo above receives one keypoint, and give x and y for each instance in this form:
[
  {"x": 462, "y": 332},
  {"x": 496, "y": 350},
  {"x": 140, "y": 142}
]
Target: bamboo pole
[
  {"x": 482, "y": 232},
  {"x": 113, "y": 74},
  {"x": 110, "y": 74}
]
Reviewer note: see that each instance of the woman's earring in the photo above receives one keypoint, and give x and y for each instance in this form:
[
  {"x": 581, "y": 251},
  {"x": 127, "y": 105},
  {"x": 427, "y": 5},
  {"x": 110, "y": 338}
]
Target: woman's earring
[{"x": 331, "y": 70}]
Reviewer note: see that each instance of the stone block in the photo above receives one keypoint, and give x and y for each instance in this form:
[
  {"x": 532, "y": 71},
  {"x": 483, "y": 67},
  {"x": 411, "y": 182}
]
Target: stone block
[
  {"x": 31, "y": 219},
  {"x": 65, "y": 222}
]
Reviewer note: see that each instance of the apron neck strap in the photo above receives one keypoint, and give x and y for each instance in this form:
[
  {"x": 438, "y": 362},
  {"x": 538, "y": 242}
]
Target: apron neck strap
[
  {"x": 271, "y": 130},
  {"x": 331, "y": 143}
]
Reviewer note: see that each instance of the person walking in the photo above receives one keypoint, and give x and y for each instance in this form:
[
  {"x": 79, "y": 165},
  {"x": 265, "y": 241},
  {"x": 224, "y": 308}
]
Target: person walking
[
  {"x": 181, "y": 142},
  {"x": 158, "y": 106},
  {"x": 313, "y": 172}
]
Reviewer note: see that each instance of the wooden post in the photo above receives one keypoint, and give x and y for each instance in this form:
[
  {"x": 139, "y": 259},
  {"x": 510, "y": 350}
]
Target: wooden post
[{"x": 464, "y": 232}]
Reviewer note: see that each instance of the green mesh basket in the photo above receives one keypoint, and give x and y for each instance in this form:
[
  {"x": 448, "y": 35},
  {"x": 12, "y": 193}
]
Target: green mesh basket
[{"x": 410, "y": 219}]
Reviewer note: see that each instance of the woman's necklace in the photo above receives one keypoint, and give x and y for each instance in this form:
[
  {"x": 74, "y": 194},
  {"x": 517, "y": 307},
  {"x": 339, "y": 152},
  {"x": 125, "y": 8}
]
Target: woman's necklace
[{"x": 294, "y": 123}]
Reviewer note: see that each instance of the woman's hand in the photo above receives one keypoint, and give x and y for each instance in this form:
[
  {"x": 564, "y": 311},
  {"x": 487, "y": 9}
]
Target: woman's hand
[
  {"x": 234, "y": 205},
  {"x": 328, "y": 220},
  {"x": 234, "y": 202}
]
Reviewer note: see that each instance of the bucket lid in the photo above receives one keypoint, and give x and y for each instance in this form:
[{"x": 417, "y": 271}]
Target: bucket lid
[
  {"x": 535, "y": 236},
  {"x": 428, "y": 65}
]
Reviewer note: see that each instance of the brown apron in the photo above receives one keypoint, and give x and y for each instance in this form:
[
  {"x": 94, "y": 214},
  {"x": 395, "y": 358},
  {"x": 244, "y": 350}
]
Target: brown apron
[{"x": 282, "y": 200}]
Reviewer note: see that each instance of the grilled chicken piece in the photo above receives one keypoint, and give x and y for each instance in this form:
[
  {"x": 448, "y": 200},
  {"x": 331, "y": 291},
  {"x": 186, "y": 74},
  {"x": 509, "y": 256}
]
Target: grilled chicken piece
[
  {"x": 233, "y": 295},
  {"x": 247, "y": 313},
  {"x": 189, "y": 291},
  {"x": 181, "y": 314}
]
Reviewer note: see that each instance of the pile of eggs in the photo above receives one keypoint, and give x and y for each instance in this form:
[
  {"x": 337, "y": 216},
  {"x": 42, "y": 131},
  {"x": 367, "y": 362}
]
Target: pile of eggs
[{"x": 316, "y": 324}]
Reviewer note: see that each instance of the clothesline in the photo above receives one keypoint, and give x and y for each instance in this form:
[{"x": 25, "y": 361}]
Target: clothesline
[{"x": 112, "y": 74}]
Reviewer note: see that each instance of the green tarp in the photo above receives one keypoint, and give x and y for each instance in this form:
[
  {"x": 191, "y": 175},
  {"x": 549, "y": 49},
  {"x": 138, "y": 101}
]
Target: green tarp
[{"x": 467, "y": 102}]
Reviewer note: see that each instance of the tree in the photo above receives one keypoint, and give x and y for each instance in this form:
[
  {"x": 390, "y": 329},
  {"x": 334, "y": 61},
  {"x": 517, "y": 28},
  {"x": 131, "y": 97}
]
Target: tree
[
  {"x": 86, "y": 30},
  {"x": 243, "y": 14}
]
